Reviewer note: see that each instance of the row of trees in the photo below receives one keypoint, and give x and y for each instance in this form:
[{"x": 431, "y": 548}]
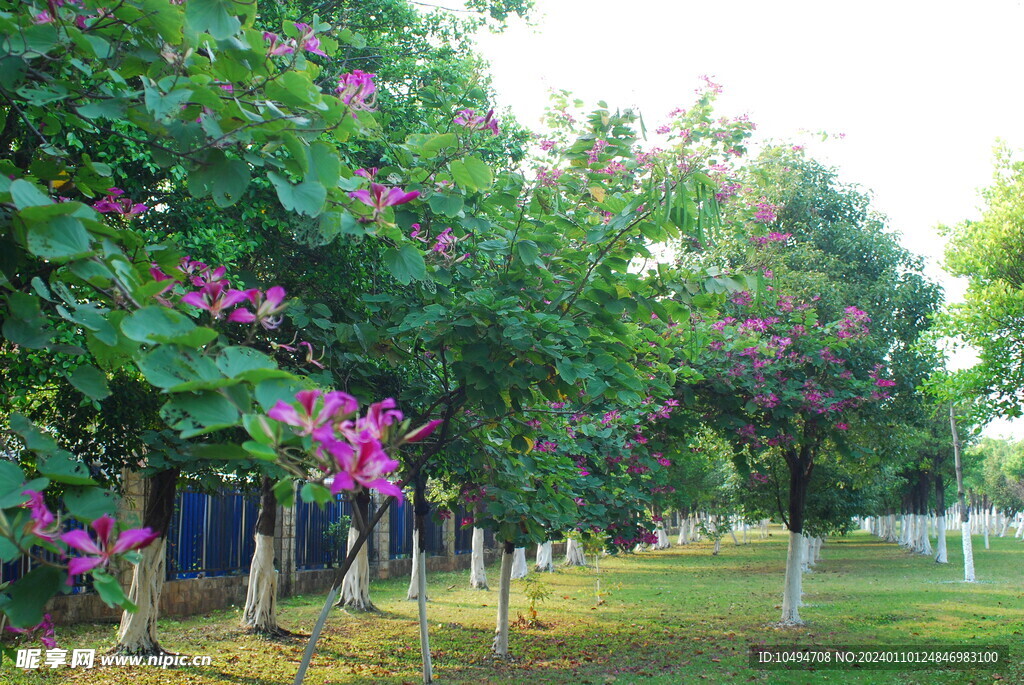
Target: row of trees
[{"x": 213, "y": 216}]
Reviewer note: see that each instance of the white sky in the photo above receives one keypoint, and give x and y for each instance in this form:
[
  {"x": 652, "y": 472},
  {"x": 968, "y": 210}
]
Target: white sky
[{"x": 921, "y": 90}]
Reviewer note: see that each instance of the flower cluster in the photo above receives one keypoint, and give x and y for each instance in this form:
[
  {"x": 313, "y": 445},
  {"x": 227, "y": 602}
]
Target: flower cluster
[
  {"x": 773, "y": 237},
  {"x": 357, "y": 90},
  {"x": 766, "y": 212},
  {"x": 350, "y": 449},
  {"x": 44, "y": 630},
  {"x": 114, "y": 203},
  {"x": 854, "y": 324},
  {"x": 98, "y": 553},
  {"x": 478, "y": 122},
  {"x": 307, "y": 41},
  {"x": 216, "y": 296}
]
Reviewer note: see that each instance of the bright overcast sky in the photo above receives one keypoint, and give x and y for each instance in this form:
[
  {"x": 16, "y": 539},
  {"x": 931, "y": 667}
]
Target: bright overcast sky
[{"x": 921, "y": 90}]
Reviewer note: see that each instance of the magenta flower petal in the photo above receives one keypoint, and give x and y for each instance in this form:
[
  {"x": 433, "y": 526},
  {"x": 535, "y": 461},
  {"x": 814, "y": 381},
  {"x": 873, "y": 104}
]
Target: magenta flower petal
[
  {"x": 134, "y": 538},
  {"x": 385, "y": 487},
  {"x": 285, "y": 413},
  {"x": 363, "y": 196},
  {"x": 80, "y": 565},
  {"x": 80, "y": 540},
  {"x": 241, "y": 316},
  {"x": 422, "y": 432},
  {"x": 103, "y": 526},
  {"x": 397, "y": 196},
  {"x": 342, "y": 481},
  {"x": 195, "y": 299},
  {"x": 275, "y": 296}
]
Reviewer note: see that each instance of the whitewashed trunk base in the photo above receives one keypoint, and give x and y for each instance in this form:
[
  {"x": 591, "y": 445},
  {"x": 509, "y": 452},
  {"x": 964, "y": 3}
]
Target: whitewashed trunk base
[
  {"x": 792, "y": 590},
  {"x": 137, "y": 634},
  {"x": 260, "y": 612}
]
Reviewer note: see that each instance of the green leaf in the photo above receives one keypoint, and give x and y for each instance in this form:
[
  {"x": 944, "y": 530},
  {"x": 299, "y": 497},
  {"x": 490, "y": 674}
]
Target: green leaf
[
  {"x": 313, "y": 492},
  {"x": 213, "y": 16},
  {"x": 529, "y": 253},
  {"x": 90, "y": 381},
  {"x": 167, "y": 366},
  {"x": 471, "y": 173},
  {"x": 63, "y": 467},
  {"x": 60, "y": 238},
  {"x": 156, "y": 324},
  {"x": 284, "y": 492},
  {"x": 25, "y": 194},
  {"x": 35, "y": 439},
  {"x": 435, "y": 144},
  {"x": 405, "y": 264},
  {"x": 88, "y": 504},
  {"x": 109, "y": 590},
  {"x": 324, "y": 164},
  {"x": 306, "y": 198},
  {"x": 259, "y": 451},
  {"x": 12, "y": 483},
  {"x": 449, "y": 205},
  {"x": 199, "y": 413},
  {"x": 235, "y": 360},
  {"x": 223, "y": 178},
  {"x": 29, "y": 595},
  {"x": 263, "y": 430}
]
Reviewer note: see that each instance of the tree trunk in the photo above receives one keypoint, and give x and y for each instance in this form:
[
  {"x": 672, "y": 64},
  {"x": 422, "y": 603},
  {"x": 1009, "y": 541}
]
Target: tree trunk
[
  {"x": 355, "y": 589},
  {"x": 422, "y": 508},
  {"x": 544, "y": 563},
  {"x": 940, "y": 520},
  {"x": 417, "y": 559},
  {"x": 519, "y": 569},
  {"x": 478, "y": 570},
  {"x": 801, "y": 464},
  {"x": 574, "y": 553},
  {"x": 500, "y": 646},
  {"x": 260, "y": 614},
  {"x": 965, "y": 522},
  {"x": 138, "y": 630},
  {"x": 684, "y": 537}
]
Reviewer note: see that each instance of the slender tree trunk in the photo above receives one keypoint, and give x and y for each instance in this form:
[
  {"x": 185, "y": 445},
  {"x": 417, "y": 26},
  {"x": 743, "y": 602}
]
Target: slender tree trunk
[
  {"x": 422, "y": 508},
  {"x": 519, "y": 569},
  {"x": 138, "y": 631},
  {"x": 355, "y": 589},
  {"x": 500, "y": 646},
  {"x": 574, "y": 553},
  {"x": 684, "y": 533},
  {"x": 544, "y": 562},
  {"x": 478, "y": 570},
  {"x": 965, "y": 533},
  {"x": 260, "y": 614},
  {"x": 940, "y": 521},
  {"x": 800, "y": 464},
  {"x": 417, "y": 559}
]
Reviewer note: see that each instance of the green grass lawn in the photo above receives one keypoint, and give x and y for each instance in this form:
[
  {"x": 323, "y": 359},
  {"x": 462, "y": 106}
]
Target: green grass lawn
[{"x": 675, "y": 616}]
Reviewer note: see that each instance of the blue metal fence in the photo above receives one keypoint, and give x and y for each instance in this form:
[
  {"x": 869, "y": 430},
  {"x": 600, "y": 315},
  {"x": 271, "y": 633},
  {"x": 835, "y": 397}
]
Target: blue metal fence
[
  {"x": 400, "y": 526},
  {"x": 211, "y": 534},
  {"x": 320, "y": 537}
]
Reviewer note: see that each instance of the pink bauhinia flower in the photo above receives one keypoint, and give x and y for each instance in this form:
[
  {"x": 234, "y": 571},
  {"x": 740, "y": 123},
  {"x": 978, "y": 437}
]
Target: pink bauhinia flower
[
  {"x": 357, "y": 90},
  {"x": 43, "y": 521},
  {"x": 360, "y": 461},
  {"x": 215, "y": 297},
  {"x": 268, "y": 306},
  {"x": 99, "y": 555},
  {"x": 113, "y": 203},
  {"x": 307, "y": 40},
  {"x": 277, "y": 46},
  {"x": 44, "y": 628},
  {"x": 477, "y": 122},
  {"x": 315, "y": 409},
  {"x": 380, "y": 197}
]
